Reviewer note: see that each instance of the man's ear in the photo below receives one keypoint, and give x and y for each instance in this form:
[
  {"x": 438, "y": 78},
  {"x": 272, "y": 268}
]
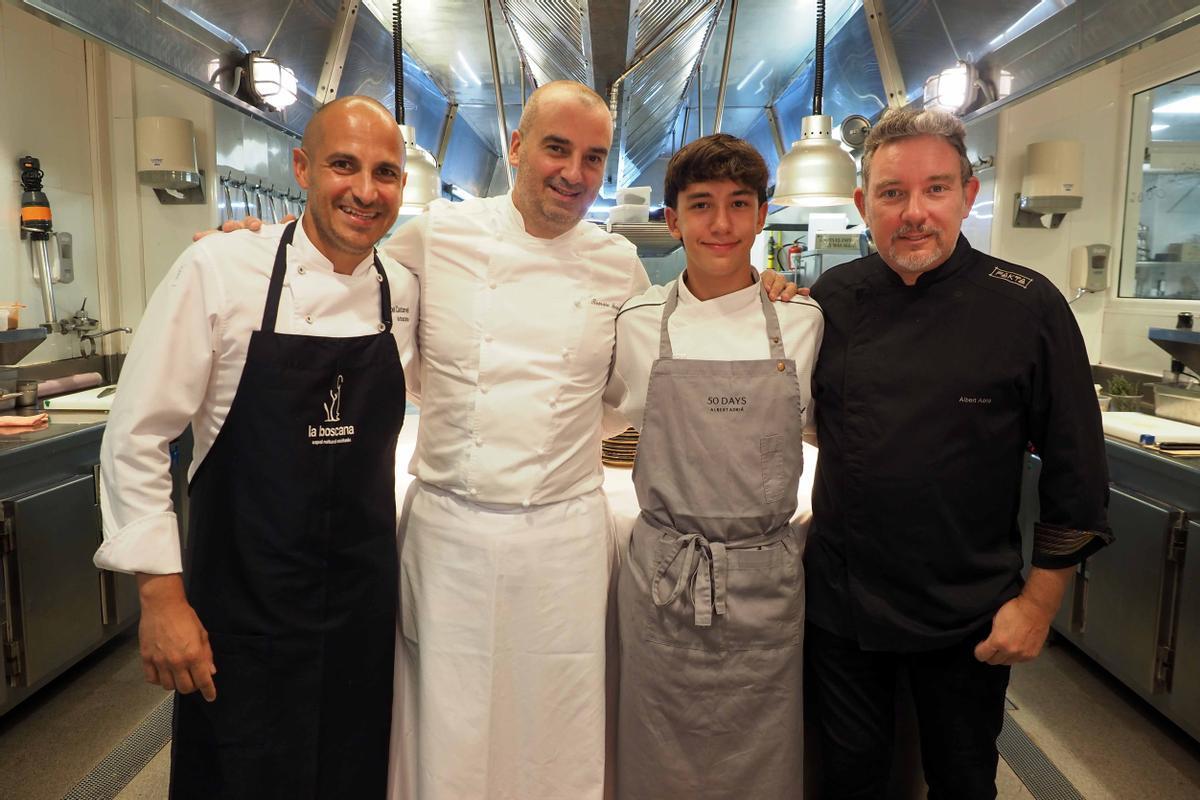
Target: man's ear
[
  {"x": 673, "y": 222},
  {"x": 300, "y": 167},
  {"x": 514, "y": 149}
]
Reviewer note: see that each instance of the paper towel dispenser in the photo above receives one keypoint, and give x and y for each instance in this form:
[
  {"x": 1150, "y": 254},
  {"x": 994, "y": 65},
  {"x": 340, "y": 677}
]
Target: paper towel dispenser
[
  {"x": 1052, "y": 184},
  {"x": 166, "y": 159}
]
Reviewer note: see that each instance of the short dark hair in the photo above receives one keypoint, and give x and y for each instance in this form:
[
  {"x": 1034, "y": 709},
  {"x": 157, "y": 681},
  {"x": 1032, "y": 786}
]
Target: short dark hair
[
  {"x": 717, "y": 157},
  {"x": 901, "y": 123}
]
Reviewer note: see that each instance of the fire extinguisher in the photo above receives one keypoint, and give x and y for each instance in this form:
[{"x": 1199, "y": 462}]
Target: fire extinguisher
[{"x": 794, "y": 254}]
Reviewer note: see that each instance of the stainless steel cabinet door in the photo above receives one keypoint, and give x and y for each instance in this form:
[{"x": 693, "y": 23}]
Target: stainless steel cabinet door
[
  {"x": 58, "y": 588},
  {"x": 1184, "y": 699},
  {"x": 1124, "y": 585}
]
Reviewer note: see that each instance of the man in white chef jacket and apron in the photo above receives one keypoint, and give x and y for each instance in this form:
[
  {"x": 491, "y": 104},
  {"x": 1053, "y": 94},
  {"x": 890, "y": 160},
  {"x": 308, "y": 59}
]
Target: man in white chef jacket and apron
[
  {"x": 711, "y": 597},
  {"x": 286, "y": 352}
]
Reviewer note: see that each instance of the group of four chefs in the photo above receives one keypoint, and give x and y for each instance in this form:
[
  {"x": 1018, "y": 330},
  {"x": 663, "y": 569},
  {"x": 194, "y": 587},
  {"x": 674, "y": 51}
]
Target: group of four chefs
[{"x": 510, "y": 321}]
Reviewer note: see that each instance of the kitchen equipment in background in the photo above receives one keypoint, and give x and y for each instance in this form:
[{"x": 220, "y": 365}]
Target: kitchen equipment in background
[
  {"x": 620, "y": 450},
  {"x": 27, "y": 392},
  {"x": 816, "y": 171},
  {"x": 166, "y": 159},
  {"x": 633, "y": 206},
  {"x": 37, "y": 225},
  {"x": 99, "y": 398},
  {"x": 1052, "y": 184},
  {"x": 424, "y": 182},
  {"x": 1089, "y": 267},
  {"x": 70, "y": 383},
  {"x": 1132, "y": 426}
]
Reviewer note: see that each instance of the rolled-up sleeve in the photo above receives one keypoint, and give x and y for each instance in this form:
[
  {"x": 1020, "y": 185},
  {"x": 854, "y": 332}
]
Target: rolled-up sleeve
[
  {"x": 163, "y": 382},
  {"x": 1068, "y": 436}
]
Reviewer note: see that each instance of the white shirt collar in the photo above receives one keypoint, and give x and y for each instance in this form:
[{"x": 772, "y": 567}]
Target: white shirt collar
[
  {"x": 302, "y": 250},
  {"x": 726, "y": 303}
]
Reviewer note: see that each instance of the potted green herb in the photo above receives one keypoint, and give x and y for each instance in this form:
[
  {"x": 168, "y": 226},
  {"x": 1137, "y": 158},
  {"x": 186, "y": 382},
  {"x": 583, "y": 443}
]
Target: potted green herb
[{"x": 1125, "y": 395}]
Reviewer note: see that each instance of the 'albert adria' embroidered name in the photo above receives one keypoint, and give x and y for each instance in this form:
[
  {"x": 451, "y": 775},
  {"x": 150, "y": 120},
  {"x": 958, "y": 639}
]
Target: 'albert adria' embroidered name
[
  {"x": 974, "y": 401},
  {"x": 1012, "y": 277}
]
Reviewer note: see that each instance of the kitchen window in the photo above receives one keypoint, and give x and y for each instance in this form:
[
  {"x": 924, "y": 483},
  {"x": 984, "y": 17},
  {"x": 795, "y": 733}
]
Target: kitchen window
[{"x": 1160, "y": 255}]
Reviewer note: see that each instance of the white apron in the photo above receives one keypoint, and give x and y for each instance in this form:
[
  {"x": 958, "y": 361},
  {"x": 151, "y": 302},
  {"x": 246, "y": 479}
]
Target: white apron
[{"x": 500, "y": 679}]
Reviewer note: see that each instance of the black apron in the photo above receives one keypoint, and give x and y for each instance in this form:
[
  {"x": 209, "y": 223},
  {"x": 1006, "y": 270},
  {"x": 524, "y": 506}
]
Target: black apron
[{"x": 291, "y": 566}]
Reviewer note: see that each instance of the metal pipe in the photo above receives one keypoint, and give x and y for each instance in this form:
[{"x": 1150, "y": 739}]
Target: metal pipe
[
  {"x": 725, "y": 66},
  {"x": 491, "y": 34},
  {"x": 773, "y": 124},
  {"x": 614, "y": 91},
  {"x": 700, "y": 96},
  {"x": 447, "y": 129},
  {"x": 40, "y": 249}
]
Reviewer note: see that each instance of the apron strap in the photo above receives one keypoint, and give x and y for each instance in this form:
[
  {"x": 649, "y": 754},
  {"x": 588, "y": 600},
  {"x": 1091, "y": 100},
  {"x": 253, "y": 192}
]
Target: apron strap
[
  {"x": 774, "y": 335},
  {"x": 385, "y": 296},
  {"x": 279, "y": 272},
  {"x": 271, "y": 311}
]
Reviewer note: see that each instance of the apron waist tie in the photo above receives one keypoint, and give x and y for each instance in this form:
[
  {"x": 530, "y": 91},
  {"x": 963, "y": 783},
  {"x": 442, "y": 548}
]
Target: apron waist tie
[{"x": 703, "y": 575}]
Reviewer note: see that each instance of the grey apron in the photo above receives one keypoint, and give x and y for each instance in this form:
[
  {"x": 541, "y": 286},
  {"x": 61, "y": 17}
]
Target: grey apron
[{"x": 710, "y": 599}]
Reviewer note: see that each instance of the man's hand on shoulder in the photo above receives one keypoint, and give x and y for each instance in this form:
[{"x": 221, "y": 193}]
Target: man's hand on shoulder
[
  {"x": 174, "y": 644},
  {"x": 229, "y": 226},
  {"x": 778, "y": 287},
  {"x": 1019, "y": 630}
]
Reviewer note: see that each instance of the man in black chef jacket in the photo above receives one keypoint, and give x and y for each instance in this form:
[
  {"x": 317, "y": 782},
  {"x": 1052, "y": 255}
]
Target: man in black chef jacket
[{"x": 939, "y": 366}]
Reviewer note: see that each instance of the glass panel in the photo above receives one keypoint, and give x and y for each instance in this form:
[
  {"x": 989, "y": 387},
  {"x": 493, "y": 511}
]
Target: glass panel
[{"x": 1160, "y": 253}]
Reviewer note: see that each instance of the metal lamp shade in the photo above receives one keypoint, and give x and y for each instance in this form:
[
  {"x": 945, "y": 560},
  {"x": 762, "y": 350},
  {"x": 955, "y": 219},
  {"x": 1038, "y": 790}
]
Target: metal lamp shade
[
  {"x": 816, "y": 171},
  {"x": 424, "y": 183}
]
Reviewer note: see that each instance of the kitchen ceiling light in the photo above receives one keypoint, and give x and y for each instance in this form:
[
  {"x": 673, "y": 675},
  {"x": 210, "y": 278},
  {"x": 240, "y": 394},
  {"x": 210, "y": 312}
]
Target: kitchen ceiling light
[
  {"x": 952, "y": 89},
  {"x": 816, "y": 171},
  {"x": 267, "y": 82},
  {"x": 424, "y": 182}
]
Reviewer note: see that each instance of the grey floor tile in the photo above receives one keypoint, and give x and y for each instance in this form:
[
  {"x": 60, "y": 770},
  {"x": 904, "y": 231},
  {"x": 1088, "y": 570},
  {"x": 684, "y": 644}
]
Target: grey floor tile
[
  {"x": 1107, "y": 742},
  {"x": 49, "y": 742}
]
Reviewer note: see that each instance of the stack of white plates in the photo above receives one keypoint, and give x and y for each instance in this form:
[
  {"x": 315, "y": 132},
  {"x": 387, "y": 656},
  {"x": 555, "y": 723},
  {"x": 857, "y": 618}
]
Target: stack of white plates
[{"x": 620, "y": 450}]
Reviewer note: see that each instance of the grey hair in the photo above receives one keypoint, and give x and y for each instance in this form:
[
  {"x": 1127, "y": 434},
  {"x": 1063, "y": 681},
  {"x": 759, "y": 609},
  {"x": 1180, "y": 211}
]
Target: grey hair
[{"x": 901, "y": 123}]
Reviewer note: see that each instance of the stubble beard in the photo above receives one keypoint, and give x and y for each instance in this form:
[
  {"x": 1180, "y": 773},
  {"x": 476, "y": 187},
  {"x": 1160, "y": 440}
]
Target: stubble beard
[{"x": 918, "y": 262}]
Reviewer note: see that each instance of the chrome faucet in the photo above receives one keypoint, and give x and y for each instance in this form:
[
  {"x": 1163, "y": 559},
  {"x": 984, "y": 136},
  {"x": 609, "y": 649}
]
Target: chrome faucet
[{"x": 87, "y": 341}]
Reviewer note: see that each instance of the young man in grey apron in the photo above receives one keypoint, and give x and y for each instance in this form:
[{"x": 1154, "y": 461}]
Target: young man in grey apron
[
  {"x": 279, "y": 637},
  {"x": 711, "y": 596}
]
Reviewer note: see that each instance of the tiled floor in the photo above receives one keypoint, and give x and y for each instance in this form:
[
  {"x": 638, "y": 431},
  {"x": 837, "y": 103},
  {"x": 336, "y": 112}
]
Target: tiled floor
[{"x": 1108, "y": 743}]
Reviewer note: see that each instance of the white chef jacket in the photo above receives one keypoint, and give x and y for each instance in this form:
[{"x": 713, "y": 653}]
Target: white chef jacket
[
  {"x": 187, "y": 359},
  {"x": 726, "y": 328},
  {"x": 516, "y": 340}
]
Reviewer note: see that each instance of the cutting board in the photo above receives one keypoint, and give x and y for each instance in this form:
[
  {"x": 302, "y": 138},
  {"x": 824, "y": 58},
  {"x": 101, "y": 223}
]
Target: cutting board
[
  {"x": 1130, "y": 425},
  {"x": 87, "y": 400}
]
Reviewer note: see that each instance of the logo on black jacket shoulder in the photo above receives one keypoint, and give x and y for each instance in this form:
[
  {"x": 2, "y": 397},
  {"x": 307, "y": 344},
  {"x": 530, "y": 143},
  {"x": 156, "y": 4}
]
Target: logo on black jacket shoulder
[{"x": 1012, "y": 277}]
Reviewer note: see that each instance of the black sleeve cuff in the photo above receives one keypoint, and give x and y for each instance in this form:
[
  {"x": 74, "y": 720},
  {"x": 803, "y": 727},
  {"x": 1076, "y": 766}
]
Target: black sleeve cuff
[{"x": 1056, "y": 547}]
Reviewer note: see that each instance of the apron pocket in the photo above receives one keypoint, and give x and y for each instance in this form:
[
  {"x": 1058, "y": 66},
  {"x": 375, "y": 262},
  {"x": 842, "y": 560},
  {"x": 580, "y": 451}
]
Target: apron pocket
[
  {"x": 774, "y": 476},
  {"x": 240, "y": 716},
  {"x": 765, "y": 604}
]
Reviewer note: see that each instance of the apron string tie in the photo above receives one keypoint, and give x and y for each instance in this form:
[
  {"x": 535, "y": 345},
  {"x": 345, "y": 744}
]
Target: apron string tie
[{"x": 702, "y": 574}]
